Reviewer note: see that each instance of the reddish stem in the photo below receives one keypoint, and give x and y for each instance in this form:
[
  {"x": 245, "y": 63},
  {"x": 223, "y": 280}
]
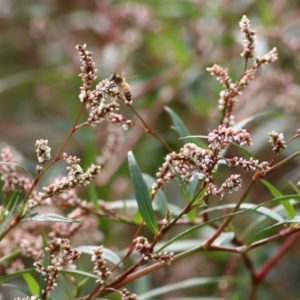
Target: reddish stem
[{"x": 288, "y": 243}]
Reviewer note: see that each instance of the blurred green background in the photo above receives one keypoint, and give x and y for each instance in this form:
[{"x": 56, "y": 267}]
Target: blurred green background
[{"x": 163, "y": 48}]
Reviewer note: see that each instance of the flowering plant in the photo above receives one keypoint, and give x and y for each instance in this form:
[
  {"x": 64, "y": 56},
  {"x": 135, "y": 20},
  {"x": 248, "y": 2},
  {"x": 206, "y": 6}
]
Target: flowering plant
[{"x": 63, "y": 216}]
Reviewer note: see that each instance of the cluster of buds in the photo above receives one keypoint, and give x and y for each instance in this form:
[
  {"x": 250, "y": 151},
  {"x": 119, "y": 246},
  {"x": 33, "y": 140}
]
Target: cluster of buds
[
  {"x": 193, "y": 160},
  {"x": 126, "y": 295},
  {"x": 59, "y": 250},
  {"x": 43, "y": 151},
  {"x": 228, "y": 96},
  {"x": 190, "y": 160},
  {"x": 59, "y": 245},
  {"x": 232, "y": 184},
  {"x": 51, "y": 273},
  {"x": 76, "y": 177},
  {"x": 12, "y": 179},
  {"x": 100, "y": 268},
  {"x": 95, "y": 100},
  {"x": 220, "y": 138},
  {"x": 249, "y": 38},
  {"x": 143, "y": 247},
  {"x": 277, "y": 141},
  {"x": 88, "y": 71},
  {"x": 248, "y": 165}
]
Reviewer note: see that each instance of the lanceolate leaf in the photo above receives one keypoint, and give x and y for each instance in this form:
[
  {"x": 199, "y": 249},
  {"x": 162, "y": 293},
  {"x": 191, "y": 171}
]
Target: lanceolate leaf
[
  {"x": 15, "y": 274},
  {"x": 160, "y": 202},
  {"x": 50, "y": 218},
  {"x": 182, "y": 185},
  {"x": 276, "y": 193},
  {"x": 19, "y": 288},
  {"x": 242, "y": 124},
  {"x": 141, "y": 194},
  {"x": 270, "y": 230},
  {"x": 247, "y": 206},
  {"x": 245, "y": 151},
  {"x": 31, "y": 283},
  {"x": 192, "y": 185},
  {"x": 180, "y": 128},
  {"x": 194, "y": 228},
  {"x": 8, "y": 211},
  {"x": 193, "y": 282},
  {"x": 278, "y": 199}
]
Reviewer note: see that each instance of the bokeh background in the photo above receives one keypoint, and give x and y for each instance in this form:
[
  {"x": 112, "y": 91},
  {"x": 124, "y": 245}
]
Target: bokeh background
[{"x": 163, "y": 48}]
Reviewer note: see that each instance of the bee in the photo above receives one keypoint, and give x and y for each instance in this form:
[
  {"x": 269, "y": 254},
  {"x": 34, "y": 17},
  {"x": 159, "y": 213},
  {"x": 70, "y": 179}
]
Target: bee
[{"x": 123, "y": 86}]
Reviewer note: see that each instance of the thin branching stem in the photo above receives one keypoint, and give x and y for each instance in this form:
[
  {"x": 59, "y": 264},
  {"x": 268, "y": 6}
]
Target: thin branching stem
[{"x": 209, "y": 242}]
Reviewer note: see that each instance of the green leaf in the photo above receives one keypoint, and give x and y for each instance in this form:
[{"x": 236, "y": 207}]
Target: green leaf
[
  {"x": 182, "y": 185},
  {"x": 194, "y": 228},
  {"x": 31, "y": 283},
  {"x": 201, "y": 136},
  {"x": 180, "y": 128},
  {"x": 295, "y": 188},
  {"x": 247, "y": 207},
  {"x": 179, "y": 246},
  {"x": 224, "y": 238},
  {"x": 138, "y": 219},
  {"x": 276, "y": 200},
  {"x": 19, "y": 288},
  {"x": 108, "y": 255},
  {"x": 245, "y": 151},
  {"x": 276, "y": 193},
  {"x": 79, "y": 273},
  {"x": 131, "y": 203},
  {"x": 4, "y": 278},
  {"x": 244, "y": 122},
  {"x": 159, "y": 202},
  {"x": 192, "y": 214},
  {"x": 10, "y": 255},
  {"x": 269, "y": 230},
  {"x": 141, "y": 194},
  {"x": 8, "y": 211},
  {"x": 93, "y": 194},
  {"x": 192, "y": 185},
  {"x": 50, "y": 218},
  {"x": 193, "y": 282}
]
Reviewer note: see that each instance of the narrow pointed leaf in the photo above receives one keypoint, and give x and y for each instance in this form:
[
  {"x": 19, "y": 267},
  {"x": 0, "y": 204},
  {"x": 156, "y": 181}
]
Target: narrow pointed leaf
[
  {"x": 276, "y": 193},
  {"x": 180, "y": 128},
  {"x": 182, "y": 185},
  {"x": 15, "y": 274},
  {"x": 247, "y": 206},
  {"x": 160, "y": 202},
  {"x": 187, "y": 284},
  {"x": 295, "y": 187},
  {"x": 51, "y": 218},
  {"x": 31, "y": 283},
  {"x": 7, "y": 213},
  {"x": 270, "y": 230},
  {"x": 276, "y": 200},
  {"x": 245, "y": 151},
  {"x": 141, "y": 194},
  {"x": 19, "y": 288},
  {"x": 194, "y": 228},
  {"x": 244, "y": 122},
  {"x": 192, "y": 185}
]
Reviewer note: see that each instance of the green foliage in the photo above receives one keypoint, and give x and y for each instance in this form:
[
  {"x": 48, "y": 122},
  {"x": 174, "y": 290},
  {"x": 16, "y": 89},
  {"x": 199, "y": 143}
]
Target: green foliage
[
  {"x": 141, "y": 194},
  {"x": 167, "y": 46}
]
